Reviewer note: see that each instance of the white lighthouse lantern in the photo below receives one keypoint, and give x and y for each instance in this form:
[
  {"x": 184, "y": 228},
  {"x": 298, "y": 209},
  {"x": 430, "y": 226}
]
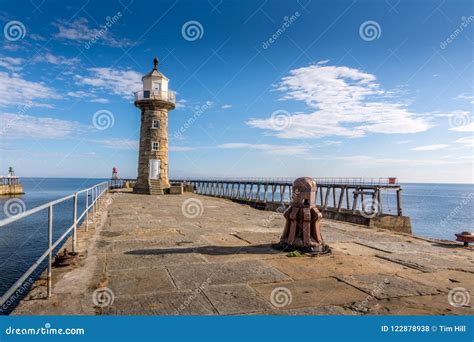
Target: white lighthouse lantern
[{"x": 155, "y": 85}]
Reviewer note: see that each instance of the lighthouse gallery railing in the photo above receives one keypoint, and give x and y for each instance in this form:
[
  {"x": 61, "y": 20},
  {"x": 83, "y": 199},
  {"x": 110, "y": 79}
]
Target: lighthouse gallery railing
[{"x": 168, "y": 96}]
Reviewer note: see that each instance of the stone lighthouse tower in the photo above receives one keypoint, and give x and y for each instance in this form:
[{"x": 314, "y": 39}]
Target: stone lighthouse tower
[{"x": 154, "y": 101}]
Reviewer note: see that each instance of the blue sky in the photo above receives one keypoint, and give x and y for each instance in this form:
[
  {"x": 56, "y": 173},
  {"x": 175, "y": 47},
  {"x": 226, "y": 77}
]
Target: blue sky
[{"x": 264, "y": 88}]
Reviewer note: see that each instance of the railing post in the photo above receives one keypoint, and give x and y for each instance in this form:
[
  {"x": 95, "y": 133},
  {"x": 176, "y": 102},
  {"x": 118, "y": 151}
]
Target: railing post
[
  {"x": 399, "y": 202},
  {"x": 74, "y": 230},
  {"x": 87, "y": 210},
  {"x": 50, "y": 249}
]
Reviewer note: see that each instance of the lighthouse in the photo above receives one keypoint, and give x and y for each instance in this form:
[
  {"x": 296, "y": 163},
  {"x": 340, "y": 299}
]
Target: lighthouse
[{"x": 154, "y": 101}]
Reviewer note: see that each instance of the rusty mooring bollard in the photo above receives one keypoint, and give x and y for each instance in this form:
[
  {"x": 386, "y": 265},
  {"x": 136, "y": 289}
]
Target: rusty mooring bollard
[
  {"x": 303, "y": 220},
  {"x": 465, "y": 237}
]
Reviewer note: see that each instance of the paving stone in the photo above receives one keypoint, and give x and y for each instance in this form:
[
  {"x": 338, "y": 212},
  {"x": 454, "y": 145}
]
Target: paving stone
[
  {"x": 139, "y": 281},
  {"x": 305, "y": 267},
  {"x": 192, "y": 276},
  {"x": 161, "y": 303},
  {"x": 443, "y": 279},
  {"x": 236, "y": 299},
  {"x": 419, "y": 305},
  {"x": 259, "y": 238},
  {"x": 309, "y": 293},
  {"x": 323, "y": 310},
  {"x": 149, "y": 259},
  {"x": 219, "y": 239},
  {"x": 429, "y": 262},
  {"x": 388, "y": 286},
  {"x": 351, "y": 248}
]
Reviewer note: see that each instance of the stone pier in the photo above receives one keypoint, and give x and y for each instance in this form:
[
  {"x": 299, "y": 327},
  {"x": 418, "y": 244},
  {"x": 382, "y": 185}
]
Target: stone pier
[{"x": 197, "y": 255}]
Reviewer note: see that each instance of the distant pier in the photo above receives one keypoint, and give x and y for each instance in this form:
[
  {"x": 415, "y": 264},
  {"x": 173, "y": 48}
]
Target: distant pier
[
  {"x": 10, "y": 185},
  {"x": 354, "y": 200}
]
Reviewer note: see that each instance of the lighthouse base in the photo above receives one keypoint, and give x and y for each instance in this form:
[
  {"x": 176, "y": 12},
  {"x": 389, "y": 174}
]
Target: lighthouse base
[
  {"x": 151, "y": 187},
  {"x": 11, "y": 189}
]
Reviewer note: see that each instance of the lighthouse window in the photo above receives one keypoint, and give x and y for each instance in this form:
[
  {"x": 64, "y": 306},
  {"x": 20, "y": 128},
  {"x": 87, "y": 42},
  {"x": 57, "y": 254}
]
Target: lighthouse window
[
  {"x": 155, "y": 124},
  {"x": 155, "y": 146}
]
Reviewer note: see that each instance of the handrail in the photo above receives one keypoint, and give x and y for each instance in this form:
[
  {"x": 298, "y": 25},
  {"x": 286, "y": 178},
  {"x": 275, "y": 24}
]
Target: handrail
[
  {"x": 96, "y": 192},
  {"x": 382, "y": 181},
  {"x": 363, "y": 192}
]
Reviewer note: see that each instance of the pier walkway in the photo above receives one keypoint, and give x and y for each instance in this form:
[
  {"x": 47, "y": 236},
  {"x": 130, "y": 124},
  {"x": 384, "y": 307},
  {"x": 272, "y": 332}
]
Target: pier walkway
[{"x": 198, "y": 255}]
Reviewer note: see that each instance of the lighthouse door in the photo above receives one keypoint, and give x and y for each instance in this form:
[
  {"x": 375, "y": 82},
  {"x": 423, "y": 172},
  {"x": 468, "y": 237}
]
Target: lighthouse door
[{"x": 154, "y": 169}]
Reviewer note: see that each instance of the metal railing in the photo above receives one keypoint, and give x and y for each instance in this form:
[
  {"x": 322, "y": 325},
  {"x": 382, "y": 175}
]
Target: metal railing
[
  {"x": 96, "y": 193},
  {"x": 10, "y": 180},
  {"x": 355, "y": 181},
  {"x": 168, "y": 96},
  {"x": 349, "y": 194}
]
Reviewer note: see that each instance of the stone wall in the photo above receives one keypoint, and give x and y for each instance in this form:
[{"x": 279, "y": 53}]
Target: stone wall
[{"x": 13, "y": 189}]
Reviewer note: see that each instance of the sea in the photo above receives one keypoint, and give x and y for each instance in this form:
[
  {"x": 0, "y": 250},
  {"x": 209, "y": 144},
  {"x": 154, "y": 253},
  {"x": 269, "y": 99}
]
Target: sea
[{"x": 436, "y": 210}]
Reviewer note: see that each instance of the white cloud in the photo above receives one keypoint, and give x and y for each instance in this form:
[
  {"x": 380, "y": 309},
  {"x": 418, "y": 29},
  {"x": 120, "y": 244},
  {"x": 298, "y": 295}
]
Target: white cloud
[
  {"x": 15, "y": 126},
  {"x": 435, "y": 147},
  {"x": 181, "y": 148},
  {"x": 343, "y": 102},
  {"x": 55, "y": 59},
  {"x": 87, "y": 96},
  {"x": 116, "y": 81},
  {"x": 180, "y": 104},
  {"x": 466, "y": 141},
  {"x": 11, "y": 63},
  {"x": 78, "y": 94},
  {"x": 14, "y": 90},
  {"x": 79, "y": 30},
  {"x": 468, "y": 127},
  {"x": 100, "y": 100},
  {"x": 119, "y": 144},
  {"x": 378, "y": 162},
  {"x": 226, "y": 106},
  {"x": 271, "y": 149},
  {"x": 465, "y": 97}
]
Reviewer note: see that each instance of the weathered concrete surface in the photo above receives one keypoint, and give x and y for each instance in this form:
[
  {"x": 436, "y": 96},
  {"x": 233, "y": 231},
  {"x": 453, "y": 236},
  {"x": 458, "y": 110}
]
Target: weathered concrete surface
[{"x": 160, "y": 257}]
